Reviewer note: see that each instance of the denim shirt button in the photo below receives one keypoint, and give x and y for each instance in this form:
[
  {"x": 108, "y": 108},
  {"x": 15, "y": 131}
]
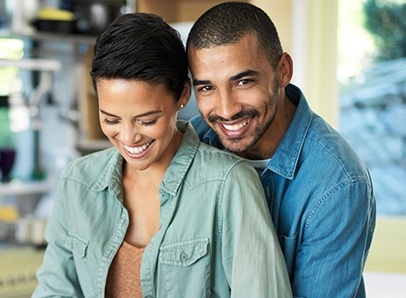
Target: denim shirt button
[{"x": 184, "y": 256}]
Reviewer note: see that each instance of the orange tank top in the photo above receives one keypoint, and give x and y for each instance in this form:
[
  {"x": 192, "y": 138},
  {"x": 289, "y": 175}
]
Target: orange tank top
[{"x": 123, "y": 279}]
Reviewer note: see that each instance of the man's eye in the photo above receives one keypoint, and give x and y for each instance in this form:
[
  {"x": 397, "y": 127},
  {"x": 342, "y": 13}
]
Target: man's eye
[
  {"x": 110, "y": 122},
  {"x": 244, "y": 82},
  {"x": 147, "y": 123},
  {"x": 205, "y": 88}
]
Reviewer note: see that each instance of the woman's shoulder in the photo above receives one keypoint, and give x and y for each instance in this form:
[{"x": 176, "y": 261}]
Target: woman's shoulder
[
  {"x": 214, "y": 158},
  {"x": 90, "y": 164}
]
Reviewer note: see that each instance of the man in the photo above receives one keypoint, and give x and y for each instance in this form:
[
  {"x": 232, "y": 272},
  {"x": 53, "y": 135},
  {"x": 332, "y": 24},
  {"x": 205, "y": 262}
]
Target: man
[
  {"x": 141, "y": 219},
  {"x": 319, "y": 192}
]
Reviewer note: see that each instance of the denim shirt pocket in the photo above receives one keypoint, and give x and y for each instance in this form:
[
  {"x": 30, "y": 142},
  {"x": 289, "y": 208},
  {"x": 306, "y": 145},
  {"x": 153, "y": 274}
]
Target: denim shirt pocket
[
  {"x": 183, "y": 253},
  {"x": 185, "y": 269},
  {"x": 77, "y": 245}
]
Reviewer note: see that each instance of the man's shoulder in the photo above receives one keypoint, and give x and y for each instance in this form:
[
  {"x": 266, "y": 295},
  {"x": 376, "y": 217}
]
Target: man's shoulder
[
  {"x": 325, "y": 144},
  {"x": 199, "y": 125},
  {"x": 204, "y": 132}
]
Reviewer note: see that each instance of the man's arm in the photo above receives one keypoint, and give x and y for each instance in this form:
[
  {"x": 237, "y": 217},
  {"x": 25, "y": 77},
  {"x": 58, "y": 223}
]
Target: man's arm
[{"x": 335, "y": 244}]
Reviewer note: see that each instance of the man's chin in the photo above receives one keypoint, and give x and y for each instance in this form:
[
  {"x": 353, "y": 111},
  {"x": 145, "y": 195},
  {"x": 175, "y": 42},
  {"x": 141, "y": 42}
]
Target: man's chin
[{"x": 234, "y": 145}]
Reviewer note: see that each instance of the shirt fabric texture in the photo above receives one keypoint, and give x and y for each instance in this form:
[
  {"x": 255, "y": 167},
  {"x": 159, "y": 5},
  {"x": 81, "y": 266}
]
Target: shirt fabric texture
[
  {"x": 321, "y": 200},
  {"x": 215, "y": 229}
]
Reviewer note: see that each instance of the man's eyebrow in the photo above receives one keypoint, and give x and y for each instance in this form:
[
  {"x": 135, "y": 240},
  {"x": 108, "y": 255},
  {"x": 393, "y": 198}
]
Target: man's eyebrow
[
  {"x": 197, "y": 82},
  {"x": 236, "y": 77},
  {"x": 240, "y": 75}
]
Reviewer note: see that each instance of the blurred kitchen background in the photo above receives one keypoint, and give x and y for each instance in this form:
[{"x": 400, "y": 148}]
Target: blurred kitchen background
[{"x": 349, "y": 58}]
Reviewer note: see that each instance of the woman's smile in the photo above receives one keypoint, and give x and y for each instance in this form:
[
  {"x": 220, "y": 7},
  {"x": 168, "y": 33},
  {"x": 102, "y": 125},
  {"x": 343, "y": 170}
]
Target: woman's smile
[{"x": 138, "y": 151}]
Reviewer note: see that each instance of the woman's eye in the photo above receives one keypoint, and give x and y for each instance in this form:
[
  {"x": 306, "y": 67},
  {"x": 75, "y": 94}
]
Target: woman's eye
[
  {"x": 147, "y": 123},
  {"x": 110, "y": 122}
]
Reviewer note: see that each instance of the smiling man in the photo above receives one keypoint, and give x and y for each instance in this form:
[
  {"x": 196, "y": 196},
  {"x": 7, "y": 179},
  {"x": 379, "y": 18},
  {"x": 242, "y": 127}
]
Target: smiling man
[
  {"x": 318, "y": 191},
  {"x": 141, "y": 219}
]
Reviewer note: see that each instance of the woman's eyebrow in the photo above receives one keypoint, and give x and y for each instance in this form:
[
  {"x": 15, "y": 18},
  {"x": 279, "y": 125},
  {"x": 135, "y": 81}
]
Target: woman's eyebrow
[
  {"x": 136, "y": 116},
  {"x": 108, "y": 114}
]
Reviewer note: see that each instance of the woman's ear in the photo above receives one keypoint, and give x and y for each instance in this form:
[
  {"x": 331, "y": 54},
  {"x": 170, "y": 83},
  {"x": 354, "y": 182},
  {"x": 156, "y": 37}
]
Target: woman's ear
[
  {"x": 185, "y": 96},
  {"x": 285, "y": 70}
]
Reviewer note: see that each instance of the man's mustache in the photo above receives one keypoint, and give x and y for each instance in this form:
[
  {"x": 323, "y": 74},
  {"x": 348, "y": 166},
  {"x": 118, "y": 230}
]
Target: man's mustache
[{"x": 240, "y": 115}]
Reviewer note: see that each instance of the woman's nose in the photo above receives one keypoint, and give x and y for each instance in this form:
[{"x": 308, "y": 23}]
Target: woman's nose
[{"x": 130, "y": 134}]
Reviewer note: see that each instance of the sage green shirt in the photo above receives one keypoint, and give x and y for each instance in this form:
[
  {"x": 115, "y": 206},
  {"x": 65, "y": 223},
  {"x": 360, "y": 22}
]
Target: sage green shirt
[{"x": 216, "y": 238}]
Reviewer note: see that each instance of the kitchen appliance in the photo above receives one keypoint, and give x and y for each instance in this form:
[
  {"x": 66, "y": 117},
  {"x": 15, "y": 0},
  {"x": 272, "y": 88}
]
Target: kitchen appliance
[
  {"x": 20, "y": 14},
  {"x": 92, "y": 17}
]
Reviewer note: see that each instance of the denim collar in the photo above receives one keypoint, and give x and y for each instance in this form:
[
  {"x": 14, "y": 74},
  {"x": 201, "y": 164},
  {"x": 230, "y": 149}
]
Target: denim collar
[{"x": 285, "y": 159}]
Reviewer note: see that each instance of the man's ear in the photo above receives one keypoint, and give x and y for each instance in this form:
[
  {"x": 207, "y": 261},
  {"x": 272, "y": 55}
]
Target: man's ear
[{"x": 285, "y": 70}]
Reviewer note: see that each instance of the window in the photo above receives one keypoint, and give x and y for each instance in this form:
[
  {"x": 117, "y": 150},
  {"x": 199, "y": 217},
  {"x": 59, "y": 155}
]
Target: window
[{"x": 372, "y": 79}]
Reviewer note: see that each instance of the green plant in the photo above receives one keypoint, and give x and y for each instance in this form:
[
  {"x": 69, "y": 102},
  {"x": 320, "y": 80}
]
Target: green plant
[{"x": 386, "y": 21}]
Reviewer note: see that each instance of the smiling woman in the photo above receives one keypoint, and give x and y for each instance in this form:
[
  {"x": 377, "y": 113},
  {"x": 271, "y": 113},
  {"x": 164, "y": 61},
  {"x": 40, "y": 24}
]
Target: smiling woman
[
  {"x": 144, "y": 131},
  {"x": 192, "y": 215}
]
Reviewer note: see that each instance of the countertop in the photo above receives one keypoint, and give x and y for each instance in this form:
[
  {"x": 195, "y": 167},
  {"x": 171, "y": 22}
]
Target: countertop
[{"x": 18, "y": 265}]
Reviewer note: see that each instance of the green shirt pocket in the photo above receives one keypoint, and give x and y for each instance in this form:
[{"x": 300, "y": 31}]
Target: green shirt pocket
[
  {"x": 77, "y": 245},
  {"x": 184, "y": 253}
]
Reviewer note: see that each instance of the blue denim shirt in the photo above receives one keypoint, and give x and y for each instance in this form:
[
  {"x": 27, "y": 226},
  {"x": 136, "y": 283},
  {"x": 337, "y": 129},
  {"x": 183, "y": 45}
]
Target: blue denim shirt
[
  {"x": 215, "y": 230},
  {"x": 321, "y": 200}
]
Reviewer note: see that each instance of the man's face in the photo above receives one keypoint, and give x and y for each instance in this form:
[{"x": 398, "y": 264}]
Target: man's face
[{"x": 236, "y": 91}]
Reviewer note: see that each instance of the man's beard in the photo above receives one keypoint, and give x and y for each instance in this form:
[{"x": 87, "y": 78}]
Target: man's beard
[{"x": 231, "y": 144}]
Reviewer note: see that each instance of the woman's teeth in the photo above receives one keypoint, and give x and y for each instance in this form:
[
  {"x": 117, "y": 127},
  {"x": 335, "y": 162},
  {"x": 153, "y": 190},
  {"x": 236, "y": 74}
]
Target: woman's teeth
[
  {"x": 237, "y": 126},
  {"x": 137, "y": 150}
]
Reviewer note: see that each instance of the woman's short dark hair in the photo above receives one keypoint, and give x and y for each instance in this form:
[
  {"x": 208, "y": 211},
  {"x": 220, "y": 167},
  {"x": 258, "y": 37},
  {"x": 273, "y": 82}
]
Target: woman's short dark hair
[
  {"x": 228, "y": 22},
  {"x": 143, "y": 47}
]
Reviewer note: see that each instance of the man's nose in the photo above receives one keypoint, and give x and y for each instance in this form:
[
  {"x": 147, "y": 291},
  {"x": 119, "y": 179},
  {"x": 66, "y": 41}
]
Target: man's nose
[{"x": 226, "y": 104}]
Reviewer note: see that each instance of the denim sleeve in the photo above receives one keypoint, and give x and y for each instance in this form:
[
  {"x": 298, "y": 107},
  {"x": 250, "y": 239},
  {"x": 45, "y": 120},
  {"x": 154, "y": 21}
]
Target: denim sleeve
[
  {"x": 251, "y": 254},
  {"x": 57, "y": 274},
  {"x": 335, "y": 243},
  {"x": 199, "y": 124}
]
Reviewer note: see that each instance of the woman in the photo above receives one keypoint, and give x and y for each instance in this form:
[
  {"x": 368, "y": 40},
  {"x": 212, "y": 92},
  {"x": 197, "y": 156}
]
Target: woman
[{"x": 160, "y": 214}]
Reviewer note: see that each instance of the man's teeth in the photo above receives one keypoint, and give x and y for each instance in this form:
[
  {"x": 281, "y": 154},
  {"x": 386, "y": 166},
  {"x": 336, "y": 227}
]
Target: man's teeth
[
  {"x": 236, "y": 126},
  {"x": 137, "y": 150}
]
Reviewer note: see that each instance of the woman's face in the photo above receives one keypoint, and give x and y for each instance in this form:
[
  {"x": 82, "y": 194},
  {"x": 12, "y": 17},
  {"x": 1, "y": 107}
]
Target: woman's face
[{"x": 140, "y": 120}]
